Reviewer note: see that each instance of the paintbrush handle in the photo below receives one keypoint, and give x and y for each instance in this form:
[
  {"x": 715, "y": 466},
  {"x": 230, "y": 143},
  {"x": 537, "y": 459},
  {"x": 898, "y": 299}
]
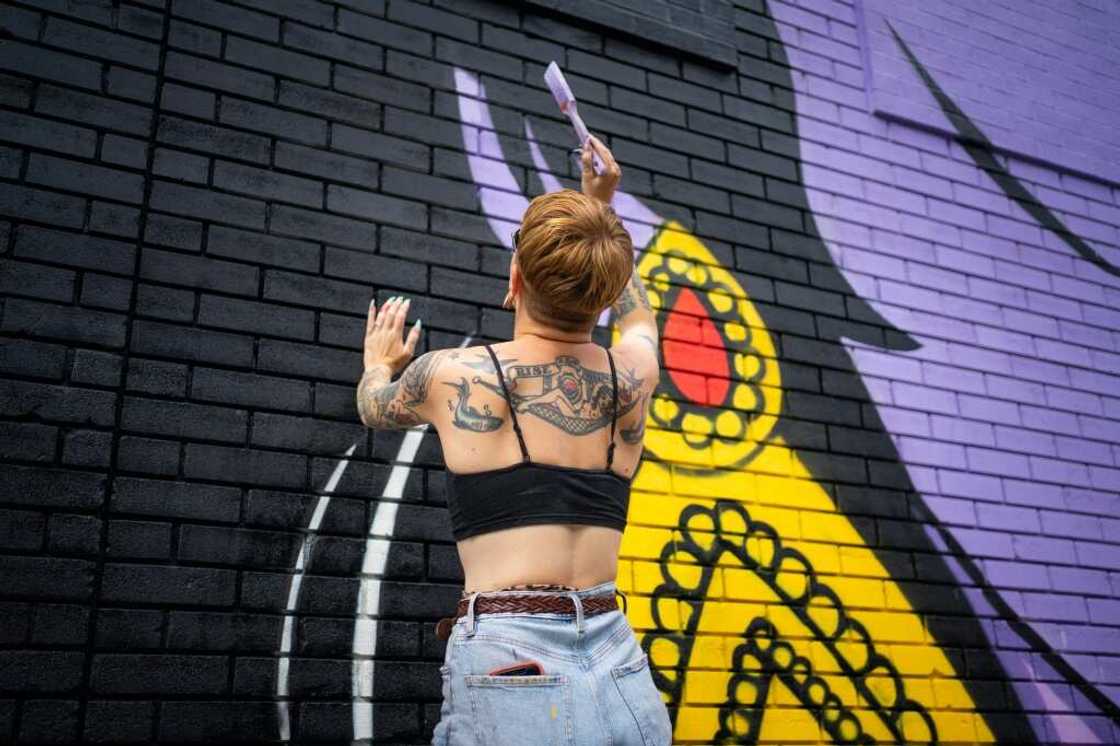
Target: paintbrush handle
[{"x": 583, "y": 134}]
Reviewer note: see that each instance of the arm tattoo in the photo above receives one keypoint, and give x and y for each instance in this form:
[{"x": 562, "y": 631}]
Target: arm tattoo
[
  {"x": 566, "y": 394},
  {"x": 633, "y": 296},
  {"x": 633, "y": 435},
  {"x": 466, "y": 417},
  {"x": 397, "y": 405}
]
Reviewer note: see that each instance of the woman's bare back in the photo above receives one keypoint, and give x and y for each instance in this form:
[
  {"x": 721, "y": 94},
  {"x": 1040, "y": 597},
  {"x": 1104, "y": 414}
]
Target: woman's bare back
[{"x": 563, "y": 395}]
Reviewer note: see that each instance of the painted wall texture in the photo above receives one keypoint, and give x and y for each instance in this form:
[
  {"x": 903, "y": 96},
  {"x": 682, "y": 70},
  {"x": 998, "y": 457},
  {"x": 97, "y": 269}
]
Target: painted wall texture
[{"x": 880, "y": 501}]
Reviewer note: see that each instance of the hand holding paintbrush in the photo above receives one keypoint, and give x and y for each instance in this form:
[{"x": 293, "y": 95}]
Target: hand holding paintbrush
[{"x": 602, "y": 184}]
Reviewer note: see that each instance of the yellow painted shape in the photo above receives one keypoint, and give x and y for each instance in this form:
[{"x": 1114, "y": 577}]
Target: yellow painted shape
[{"x": 766, "y": 476}]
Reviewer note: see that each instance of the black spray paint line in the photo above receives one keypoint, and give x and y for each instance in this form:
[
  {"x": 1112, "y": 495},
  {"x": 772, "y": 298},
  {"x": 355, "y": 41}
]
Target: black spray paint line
[
  {"x": 981, "y": 149},
  {"x": 969, "y": 136}
]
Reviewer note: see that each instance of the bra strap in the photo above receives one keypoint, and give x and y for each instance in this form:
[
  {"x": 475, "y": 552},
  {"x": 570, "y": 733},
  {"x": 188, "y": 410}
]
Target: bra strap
[
  {"x": 614, "y": 410},
  {"x": 509, "y": 401}
]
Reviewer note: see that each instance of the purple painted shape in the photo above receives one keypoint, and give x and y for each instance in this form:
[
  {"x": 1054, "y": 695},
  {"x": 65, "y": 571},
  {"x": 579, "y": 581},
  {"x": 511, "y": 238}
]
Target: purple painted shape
[
  {"x": 1001, "y": 301},
  {"x": 1028, "y": 87}
]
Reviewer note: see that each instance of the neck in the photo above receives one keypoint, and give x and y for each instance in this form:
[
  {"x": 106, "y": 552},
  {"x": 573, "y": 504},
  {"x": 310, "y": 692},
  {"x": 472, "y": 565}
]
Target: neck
[{"x": 523, "y": 324}]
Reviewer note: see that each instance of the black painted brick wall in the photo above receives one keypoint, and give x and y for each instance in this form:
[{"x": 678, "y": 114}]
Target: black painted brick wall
[{"x": 199, "y": 198}]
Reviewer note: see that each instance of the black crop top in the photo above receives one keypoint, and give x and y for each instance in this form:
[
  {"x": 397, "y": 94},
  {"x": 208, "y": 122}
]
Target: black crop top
[{"x": 528, "y": 493}]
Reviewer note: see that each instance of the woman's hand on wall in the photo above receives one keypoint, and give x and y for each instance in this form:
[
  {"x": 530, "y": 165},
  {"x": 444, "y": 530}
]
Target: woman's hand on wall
[
  {"x": 599, "y": 185},
  {"x": 385, "y": 344}
]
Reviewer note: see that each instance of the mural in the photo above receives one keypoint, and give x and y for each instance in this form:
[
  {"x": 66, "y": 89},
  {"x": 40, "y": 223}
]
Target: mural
[{"x": 881, "y": 485}]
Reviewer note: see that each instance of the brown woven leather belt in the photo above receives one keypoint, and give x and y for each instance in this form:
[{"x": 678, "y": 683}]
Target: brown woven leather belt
[{"x": 527, "y": 604}]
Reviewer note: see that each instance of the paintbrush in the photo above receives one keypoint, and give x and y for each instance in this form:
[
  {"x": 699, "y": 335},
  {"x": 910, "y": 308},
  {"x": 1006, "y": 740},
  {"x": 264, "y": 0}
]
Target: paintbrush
[{"x": 562, "y": 92}]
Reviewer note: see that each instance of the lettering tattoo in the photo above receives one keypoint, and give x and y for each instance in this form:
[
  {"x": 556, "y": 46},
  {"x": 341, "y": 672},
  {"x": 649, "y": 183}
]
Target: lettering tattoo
[
  {"x": 466, "y": 417},
  {"x": 396, "y": 405},
  {"x": 566, "y": 394}
]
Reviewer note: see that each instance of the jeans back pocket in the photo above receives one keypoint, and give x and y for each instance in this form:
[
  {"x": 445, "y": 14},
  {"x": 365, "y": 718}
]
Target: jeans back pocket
[
  {"x": 635, "y": 685},
  {"x": 521, "y": 709}
]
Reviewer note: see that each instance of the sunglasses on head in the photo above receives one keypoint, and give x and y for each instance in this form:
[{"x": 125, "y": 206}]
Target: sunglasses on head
[{"x": 516, "y": 238}]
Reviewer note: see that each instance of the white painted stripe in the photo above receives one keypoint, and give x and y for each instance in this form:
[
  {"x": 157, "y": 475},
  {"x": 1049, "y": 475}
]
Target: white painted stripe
[
  {"x": 282, "y": 663},
  {"x": 376, "y": 556}
]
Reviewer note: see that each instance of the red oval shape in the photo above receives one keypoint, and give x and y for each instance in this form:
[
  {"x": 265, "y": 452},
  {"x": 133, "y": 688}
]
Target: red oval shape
[{"x": 699, "y": 371}]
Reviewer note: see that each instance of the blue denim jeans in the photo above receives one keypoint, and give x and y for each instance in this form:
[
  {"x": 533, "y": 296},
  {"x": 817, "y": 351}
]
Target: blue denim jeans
[{"x": 595, "y": 686}]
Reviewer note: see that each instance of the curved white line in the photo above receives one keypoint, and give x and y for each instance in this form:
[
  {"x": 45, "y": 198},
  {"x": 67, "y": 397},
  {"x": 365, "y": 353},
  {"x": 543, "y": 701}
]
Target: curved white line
[
  {"x": 378, "y": 542},
  {"x": 293, "y": 594}
]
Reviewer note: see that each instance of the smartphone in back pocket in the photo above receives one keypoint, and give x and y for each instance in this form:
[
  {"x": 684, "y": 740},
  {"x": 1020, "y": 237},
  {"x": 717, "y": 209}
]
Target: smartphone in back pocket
[{"x": 521, "y": 668}]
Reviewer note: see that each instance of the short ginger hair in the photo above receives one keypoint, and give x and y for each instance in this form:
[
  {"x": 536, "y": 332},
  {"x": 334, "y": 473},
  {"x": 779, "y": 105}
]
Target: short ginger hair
[{"x": 575, "y": 257}]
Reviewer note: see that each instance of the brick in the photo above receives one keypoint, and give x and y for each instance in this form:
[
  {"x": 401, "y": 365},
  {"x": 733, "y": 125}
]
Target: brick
[
  {"x": 384, "y": 32},
  {"x": 310, "y": 360},
  {"x": 457, "y": 194},
  {"x": 244, "y": 465},
  {"x": 381, "y": 88},
  {"x": 41, "y": 671},
  {"x": 44, "y": 487},
  {"x": 183, "y": 420},
  {"x": 26, "y": 441},
  {"x": 207, "y": 205},
  {"x": 690, "y": 193},
  {"x": 163, "y": 674},
  {"x": 190, "y": 101},
  {"x": 124, "y": 151},
  {"x": 184, "y": 343},
  {"x": 174, "y": 232},
  {"x": 181, "y": 166},
  {"x": 193, "y": 38},
  {"x": 175, "y": 499},
  {"x": 428, "y": 248},
  {"x": 157, "y": 377},
  {"x": 162, "y": 302},
  {"x": 453, "y": 284},
  {"x": 260, "y": 248},
  {"x": 381, "y": 147},
  {"x": 378, "y": 207},
  {"x": 270, "y": 120},
  {"x": 334, "y": 106},
  {"x": 378, "y": 270},
  {"x": 521, "y": 44},
  {"x": 198, "y": 272},
  {"x": 139, "y": 539},
  {"x": 475, "y": 58},
  {"x": 267, "y": 184},
  {"x": 250, "y": 390},
  {"x": 72, "y": 323},
  {"x": 111, "y": 720},
  {"x": 647, "y": 106},
  {"x": 240, "y": 547},
  {"x": 314, "y": 291},
  {"x": 36, "y": 280},
  {"x": 222, "y": 631},
  {"x": 116, "y": 220},
  {"x": 279, "y": 61},
  {"x": 603, "y": 69},
  {"x": 44, "y": 133},
  {"x": 85, "y": 178},
  {"x": 51, "y": 64},
  {"x": 322, "y": 227},
  {"x": 165, "y": 584},
  {"x": 103, "y": 44},
  {"x": 437, "y": 21},
  {"x": 203, "y": 72},
  {"x": 87, "y": 448},
  {"x": 330, "y": 166},
  {"x": 213, "y": 140},
  {"x": 229, "y": 17}
]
